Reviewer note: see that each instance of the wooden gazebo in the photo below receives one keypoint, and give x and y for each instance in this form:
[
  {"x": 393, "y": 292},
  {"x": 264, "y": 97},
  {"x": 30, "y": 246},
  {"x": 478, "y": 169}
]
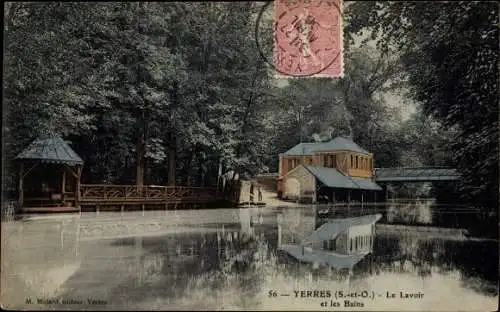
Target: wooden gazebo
[
  {"x": 50, "y": 181},
  {"x": 43, "y": 176}
]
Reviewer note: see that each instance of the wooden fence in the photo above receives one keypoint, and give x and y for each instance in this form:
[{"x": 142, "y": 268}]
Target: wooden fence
[{"x": 146, "y": 193}]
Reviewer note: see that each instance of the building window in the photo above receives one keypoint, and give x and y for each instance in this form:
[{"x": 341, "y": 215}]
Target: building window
[
  {"x": 352, "y": 162},
  {"x": 356, "y": 243},
  {"x": 350, "y": 244},
  {"x": 357, "y": 162},
  {"x": 290, "y": 164},
  {"x": 334, "y": 161},
  {"x": 325, "y": 161}
]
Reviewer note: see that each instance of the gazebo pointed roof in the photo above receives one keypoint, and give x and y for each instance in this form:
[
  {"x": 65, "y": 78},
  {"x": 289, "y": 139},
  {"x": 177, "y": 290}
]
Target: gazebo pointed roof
[{"x": 51, "y": 149}]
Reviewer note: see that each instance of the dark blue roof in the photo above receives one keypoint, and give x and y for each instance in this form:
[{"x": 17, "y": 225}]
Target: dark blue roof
[
  {"x": 331, "y": 177},
  {"x": 339, "y": 143},
  {"x": 51, "y": 150},
  {"x": 334, "y": 178},
  {"x": 366, "y": 184}
]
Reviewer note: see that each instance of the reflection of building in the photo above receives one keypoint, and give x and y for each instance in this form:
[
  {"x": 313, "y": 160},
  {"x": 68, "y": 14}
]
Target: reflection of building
[
  {"x": 338, "y": 170},
  {"x": 339, "y": 243}
]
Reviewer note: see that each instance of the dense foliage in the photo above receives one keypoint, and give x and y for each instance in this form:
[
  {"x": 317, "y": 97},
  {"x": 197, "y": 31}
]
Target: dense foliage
[
  {"x": 167, "y": 92},
  {"x": 449, "y": 51}
]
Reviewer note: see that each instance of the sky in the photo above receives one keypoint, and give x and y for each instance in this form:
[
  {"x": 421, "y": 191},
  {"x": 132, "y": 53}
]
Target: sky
[{"x": 394, "y": 100}]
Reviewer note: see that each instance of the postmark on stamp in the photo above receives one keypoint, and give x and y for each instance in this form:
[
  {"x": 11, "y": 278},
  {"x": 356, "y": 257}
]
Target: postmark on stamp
[{"x": 308, "y": 38}]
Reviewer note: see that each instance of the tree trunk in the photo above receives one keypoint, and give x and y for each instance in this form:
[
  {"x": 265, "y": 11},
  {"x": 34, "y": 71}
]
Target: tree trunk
[
  {"x": 172, "y": 150},
  {"x": 139, "y": 180},
  {"x": 200, "y": 172},
  {"x": 21, "y": 187}
]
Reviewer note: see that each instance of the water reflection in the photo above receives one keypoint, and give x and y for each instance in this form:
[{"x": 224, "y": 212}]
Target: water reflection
[{"x": 233, "y": 265}]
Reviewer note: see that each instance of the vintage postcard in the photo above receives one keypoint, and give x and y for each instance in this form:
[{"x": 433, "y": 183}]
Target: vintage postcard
[{"x": 312, "y": 155}]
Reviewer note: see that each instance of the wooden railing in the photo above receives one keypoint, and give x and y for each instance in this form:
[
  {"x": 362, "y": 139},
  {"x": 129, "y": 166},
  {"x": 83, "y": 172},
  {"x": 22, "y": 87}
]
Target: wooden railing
[{"x": 106, "y": 192}]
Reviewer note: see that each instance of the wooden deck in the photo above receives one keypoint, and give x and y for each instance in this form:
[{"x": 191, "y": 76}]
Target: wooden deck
[{"x": 116, "y": 197}]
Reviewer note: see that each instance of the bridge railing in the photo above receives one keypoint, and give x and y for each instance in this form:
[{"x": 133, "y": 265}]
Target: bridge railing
[
  {"x": 146, "y": 192},
  {"x": 415, "y": 174}
]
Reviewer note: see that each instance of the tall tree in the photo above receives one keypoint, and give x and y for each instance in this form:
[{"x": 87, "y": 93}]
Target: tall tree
[
  {"x": 450, "y": 53},
  {"x": 321, "y": 109},
  {"x": 144, "y": 85}
]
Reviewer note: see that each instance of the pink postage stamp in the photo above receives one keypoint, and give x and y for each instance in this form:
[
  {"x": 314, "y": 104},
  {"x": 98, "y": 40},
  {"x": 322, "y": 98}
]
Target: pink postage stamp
[{"x": 308, "y": 38}]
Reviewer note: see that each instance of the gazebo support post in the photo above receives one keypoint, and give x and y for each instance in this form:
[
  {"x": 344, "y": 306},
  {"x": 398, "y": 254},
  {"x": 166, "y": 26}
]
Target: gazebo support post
[
  {"x": 78, "y": 177},
  {"x": 21, "y": 178}
]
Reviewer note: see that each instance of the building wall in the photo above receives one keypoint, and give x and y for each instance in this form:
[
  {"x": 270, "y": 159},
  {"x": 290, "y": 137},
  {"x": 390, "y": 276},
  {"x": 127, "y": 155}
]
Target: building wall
[
  {"x": 337, "y": 244},
  {"x": 288, "y": 163},
  {"x": 342, "y": 243},
  {"x": 306, "y": 181},
  {"x": 330, "y": 159},
  {"x": 360, "y": 165},
  {"x": 346, "y": 162},
  {"x": 342, "y": 162}
]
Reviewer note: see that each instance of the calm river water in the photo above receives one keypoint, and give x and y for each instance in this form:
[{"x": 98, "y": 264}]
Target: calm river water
[{"x": 228, "y": 259}]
